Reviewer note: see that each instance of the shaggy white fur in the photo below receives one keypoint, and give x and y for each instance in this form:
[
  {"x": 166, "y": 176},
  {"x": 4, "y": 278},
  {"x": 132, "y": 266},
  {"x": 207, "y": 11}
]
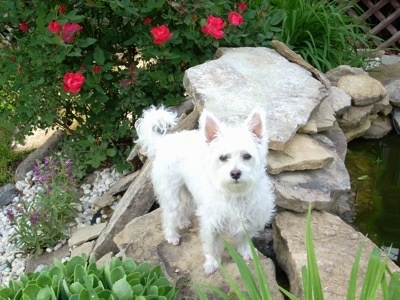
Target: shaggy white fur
[{"x": 223, "y": 169}]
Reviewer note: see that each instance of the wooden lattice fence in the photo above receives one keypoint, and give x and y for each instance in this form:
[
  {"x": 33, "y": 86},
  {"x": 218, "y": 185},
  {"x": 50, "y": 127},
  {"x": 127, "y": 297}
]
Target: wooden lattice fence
[{"x": 384, "y": 18}]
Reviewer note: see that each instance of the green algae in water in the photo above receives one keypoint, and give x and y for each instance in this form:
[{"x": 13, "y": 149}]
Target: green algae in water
[{"x": 374, "y": 168}]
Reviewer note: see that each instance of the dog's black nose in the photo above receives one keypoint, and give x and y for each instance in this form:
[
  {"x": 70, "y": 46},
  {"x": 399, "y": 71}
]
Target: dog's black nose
[{"x": 235, "y": 174}]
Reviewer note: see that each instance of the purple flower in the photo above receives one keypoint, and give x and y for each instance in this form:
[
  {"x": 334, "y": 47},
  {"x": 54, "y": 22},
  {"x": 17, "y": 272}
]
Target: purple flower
[
  {"x": 10, "y": 215},
  {"x": 47, "y": 161},
  {"x": 34, "y": 218}
]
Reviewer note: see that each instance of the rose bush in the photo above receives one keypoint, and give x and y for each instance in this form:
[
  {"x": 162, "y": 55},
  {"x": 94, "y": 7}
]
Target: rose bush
[{"x": 99, "y": 63}]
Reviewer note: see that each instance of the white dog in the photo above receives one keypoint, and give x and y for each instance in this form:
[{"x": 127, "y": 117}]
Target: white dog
[{"x": 223, "y": 168}]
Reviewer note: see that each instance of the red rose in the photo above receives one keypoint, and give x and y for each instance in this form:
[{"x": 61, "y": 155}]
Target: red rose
[
  {"x": 235, "y": 19},
  {"x": 62, "y": 9},
  {"x": 23, "y": 27},
  {"x": 96, "y": 69},
  {"x": 146, "y": 20},
  {"x": 69, "y": 31},
  {"x": 214, "y": 27},
  {"x": 72, "y": 82},
  {"x": 54, "y": 27},
  {"x": 160, "y": 34},
  {"x": 242, "y": 7}
]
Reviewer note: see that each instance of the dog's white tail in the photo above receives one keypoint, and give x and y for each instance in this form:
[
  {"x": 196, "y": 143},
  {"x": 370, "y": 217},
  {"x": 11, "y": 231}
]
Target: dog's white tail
[{"x": 152, "y": 126}]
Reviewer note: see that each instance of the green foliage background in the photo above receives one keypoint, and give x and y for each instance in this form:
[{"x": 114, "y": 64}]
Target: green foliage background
[{"x": 135, "y": 72}]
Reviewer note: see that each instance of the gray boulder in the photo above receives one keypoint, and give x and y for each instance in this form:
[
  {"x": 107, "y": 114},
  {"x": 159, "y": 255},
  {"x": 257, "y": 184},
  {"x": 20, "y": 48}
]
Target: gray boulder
[
  {"x": 243, "y": 78},
  {"x": 7, "y": 193},
  {"x": 336, "y": 244}
]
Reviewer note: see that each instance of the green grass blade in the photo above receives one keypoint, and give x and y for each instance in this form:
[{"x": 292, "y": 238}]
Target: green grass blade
[
  {"x": 260, "y": 275},
  {"x": 307, "y": 289},
  {"x": 245, "y": 272},
  {"x": 372, "y": 279},
  {"x": 312, "y": 268},
  {"x": 287, "y": 294},
  {"x": 216, "y": 290},
  {"x": 234, "y": 286},
  {"x": 394, "y": 286},
  {"x": 352, "y": 288}
]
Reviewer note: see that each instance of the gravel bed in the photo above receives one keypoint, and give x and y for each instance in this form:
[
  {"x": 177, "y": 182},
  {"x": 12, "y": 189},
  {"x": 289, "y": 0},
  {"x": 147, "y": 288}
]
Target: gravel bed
[{"x": 12, "y": 259}]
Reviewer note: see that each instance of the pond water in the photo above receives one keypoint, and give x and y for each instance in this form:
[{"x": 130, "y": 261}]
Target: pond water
[{"x": 374, "y": 168}]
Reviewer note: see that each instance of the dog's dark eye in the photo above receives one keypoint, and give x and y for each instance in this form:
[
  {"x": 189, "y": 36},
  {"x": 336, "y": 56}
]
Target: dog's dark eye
[
  {"x": 223, "y": 158},
  {"x": 246, "y": 156}
]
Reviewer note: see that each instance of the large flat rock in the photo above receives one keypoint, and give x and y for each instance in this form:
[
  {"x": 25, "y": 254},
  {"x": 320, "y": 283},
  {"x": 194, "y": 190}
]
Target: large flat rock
[
  {"x": 243, "y": 78},
  {"x": 336, "y": 244},
  {"x": 142, "y": 240}
]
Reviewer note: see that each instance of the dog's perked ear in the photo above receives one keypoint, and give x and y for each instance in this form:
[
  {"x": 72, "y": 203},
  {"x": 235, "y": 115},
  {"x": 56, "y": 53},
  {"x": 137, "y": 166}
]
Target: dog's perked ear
[
  {"x": 210, "y": 125},
  {"x": 255, "y": 122}
]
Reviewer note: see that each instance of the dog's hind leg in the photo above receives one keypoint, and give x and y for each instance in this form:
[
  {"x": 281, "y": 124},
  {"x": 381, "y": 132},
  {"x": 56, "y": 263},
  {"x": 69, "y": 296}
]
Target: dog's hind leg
[
  {"x": 186, "y": 209},
  {"x": 167, "y": 193}
]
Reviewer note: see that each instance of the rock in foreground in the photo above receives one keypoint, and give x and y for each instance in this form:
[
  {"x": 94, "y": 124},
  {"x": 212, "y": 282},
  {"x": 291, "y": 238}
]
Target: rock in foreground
[
  {"x": 336, "y": 244},
  {"x": 182, "y": 264}
]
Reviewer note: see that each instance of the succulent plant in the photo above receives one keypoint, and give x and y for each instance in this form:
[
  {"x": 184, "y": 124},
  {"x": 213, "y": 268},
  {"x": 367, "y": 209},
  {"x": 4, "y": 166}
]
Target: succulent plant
[{"x": 82, "y": 279}]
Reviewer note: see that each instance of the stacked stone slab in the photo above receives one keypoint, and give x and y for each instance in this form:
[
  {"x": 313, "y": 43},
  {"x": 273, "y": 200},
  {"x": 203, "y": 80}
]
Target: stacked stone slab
[
  {"x": 368, "y": 114},
  {"x": 303, "y": 160}
]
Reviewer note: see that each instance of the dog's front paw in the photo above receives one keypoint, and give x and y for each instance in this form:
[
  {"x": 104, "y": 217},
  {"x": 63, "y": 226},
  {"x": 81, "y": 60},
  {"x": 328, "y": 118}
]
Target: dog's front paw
[
  {"x": 173, "y": 239},
  {"x": 245, "y": 252},
  {"x": 211, "y": 265},
  {"x": 185, "y": 224}
]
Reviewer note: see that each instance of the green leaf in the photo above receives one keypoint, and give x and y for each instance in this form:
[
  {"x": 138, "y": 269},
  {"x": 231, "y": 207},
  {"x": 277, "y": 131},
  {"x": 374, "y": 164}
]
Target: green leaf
[
  {"x": 79, "y": 273},
  {"x": 43, "y": 280},
  {"x": 76, "y": 287},
  {"x": 45, "y": 293},
  {"x": 98, "y": 56},
  {"x": 128, "y": 264},
  {"x": 31, "y": 290},
  {"x": 133, "y": 278},
  {"x": 117, "y": 274},
  {"x": 6, "y": 292},
  {"x": 137, "y": 289},
  {"x": 84, "y": 295},
  {"x": 122, "y": 290},
  {"x": 99, "y": 89},
  {"x": 144, "y": 268},
  {"x": 73, "y": 262},
  {"x": 277, "y": 17},
  {"x": 84, "y": 43},
  {"x": 77, "y": 52},
  {"x": 162, "y": 281},
  {"x": 106, "y": 294},
  {"x": 108, "y": 76}
]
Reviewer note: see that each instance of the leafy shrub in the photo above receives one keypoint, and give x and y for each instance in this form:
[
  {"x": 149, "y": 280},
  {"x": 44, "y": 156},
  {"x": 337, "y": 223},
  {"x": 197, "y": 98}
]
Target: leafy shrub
[
  {"x": 323, "y": 33},
  {"x": 99, "y": 63},
  {"x": 81, "y": 280},
  {"x": 43, "y": 221}
]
